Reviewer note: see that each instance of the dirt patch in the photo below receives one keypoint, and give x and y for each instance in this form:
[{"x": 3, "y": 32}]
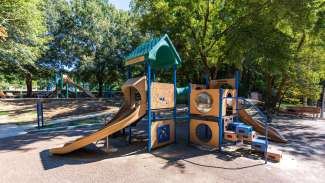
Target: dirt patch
[{"x": 23, "y": 111}]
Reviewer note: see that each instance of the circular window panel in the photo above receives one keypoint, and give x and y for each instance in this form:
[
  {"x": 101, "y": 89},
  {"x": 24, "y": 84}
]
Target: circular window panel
[
  {"x": 203, "y": 133},
  {"x": 203, "y": 102}
]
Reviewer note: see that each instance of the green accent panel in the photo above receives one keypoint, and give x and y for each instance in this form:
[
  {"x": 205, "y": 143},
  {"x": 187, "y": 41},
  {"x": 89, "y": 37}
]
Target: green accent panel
[
  {"x": 160, "y": 52},
  {"x": 182, "y": 95}
]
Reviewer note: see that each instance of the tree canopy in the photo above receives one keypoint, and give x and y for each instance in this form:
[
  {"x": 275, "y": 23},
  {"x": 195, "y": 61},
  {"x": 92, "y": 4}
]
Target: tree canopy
[{"x": 278, "y": 45}]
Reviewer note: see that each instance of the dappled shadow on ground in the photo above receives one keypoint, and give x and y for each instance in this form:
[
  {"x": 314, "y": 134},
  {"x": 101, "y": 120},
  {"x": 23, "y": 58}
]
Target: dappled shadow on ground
[
  {"x": 19, "y": 143},
  {"x": 175, "y": 155},
  {"x": 306, "y": 137},
  {"x": 179, "y": 154},
  {"x": 305, "y": 140}
]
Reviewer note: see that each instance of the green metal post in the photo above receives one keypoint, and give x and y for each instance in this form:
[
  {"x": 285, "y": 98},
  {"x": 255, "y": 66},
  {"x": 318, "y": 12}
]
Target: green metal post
[
  {"x": 76, "y": 88},
  {"x": 61, "y": 84},
  {"x": 66, "y": 90}
]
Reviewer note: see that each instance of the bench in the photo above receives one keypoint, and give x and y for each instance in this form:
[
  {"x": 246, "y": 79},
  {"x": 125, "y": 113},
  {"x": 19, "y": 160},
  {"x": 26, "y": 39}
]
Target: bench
[
  {"x": 315, "y": 111},
  {"x": 10, "y": 95}
]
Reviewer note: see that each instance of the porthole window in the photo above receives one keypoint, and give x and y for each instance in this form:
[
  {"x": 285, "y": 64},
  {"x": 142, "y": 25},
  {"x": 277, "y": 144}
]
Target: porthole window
[{"x": 203, "y": 102}]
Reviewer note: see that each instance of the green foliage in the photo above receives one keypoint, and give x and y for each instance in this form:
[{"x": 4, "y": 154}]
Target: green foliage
[
  {"x": 278, "y": 45},
  {"x": 24, "y": 22},
  {"x": 60, "y": 22},
  {"x": 104, "y": 36},
  {"x": 90, "y": 40},
  {"x": 265, "y": 39}
]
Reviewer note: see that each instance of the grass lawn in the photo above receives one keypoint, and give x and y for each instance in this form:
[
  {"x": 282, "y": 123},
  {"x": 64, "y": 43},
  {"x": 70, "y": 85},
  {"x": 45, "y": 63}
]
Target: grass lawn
[{"x": 2, "y": 113}]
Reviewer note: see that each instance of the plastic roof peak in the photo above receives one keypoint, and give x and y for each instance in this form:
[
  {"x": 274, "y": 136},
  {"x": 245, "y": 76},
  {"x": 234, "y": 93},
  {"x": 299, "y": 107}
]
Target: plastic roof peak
[{"x": 159, "y": 52}]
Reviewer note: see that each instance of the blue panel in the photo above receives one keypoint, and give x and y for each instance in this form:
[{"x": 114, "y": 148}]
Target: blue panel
[
  {"x": 163, "y": 133},
  {"x": 189, "y": 112},
  {"x": 149, "y": 105},
  {"x": 244, "y": 130},
  {"x": 259, "y": 145},
  {"x": 232, "y": 126},
  {"x": 220, "y": 122},
  {"x": 175, "y": 95}
]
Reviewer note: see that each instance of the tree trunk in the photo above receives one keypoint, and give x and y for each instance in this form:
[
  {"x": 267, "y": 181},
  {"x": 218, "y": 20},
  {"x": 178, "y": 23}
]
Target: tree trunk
[
  {"x": 29, "y": 85},
  {"x": 305, "y": 100},
  {"x": 100, "y": 86},
  {"x": 100, "y": 89},
  {"x": 269, "y": 103}
]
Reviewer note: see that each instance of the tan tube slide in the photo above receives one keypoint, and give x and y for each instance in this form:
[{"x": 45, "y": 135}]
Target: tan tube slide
[{"x": 128, "y": 114}]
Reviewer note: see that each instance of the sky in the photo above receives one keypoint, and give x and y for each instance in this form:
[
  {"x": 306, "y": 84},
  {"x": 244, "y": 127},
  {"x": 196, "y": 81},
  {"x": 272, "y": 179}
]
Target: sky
[{"x": 121, "y": 4}]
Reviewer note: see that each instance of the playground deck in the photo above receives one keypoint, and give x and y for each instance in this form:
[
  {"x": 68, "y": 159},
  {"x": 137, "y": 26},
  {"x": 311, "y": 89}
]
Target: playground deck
[{"x": 25, "y": 159}]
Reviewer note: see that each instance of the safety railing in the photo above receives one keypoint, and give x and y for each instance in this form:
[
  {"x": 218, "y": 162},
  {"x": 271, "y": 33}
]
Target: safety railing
[{"x": 248, "y": 104}]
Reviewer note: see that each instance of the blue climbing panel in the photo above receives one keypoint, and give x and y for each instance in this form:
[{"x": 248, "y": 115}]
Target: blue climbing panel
[
  {"x": 259, "y": 145},
  {"x": 232, "y": 126},
  {"x": 244, "y": 130},
  {"x": 163, "y": 133}
]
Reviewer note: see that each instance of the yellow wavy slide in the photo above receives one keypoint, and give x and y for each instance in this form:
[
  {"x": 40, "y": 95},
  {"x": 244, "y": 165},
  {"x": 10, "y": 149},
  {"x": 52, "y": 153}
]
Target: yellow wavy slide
[{"x": 128, "y": 114}]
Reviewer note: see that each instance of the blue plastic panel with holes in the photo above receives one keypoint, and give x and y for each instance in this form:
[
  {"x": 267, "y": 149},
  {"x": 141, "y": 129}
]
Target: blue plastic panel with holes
[{"x": 163, "y": 133}]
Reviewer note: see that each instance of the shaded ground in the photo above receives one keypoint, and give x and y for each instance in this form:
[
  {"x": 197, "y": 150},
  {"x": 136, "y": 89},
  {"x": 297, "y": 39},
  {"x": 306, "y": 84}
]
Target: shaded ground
[
  {"x": 22, "y": 111},
  {"x": 26, "y": 158}
]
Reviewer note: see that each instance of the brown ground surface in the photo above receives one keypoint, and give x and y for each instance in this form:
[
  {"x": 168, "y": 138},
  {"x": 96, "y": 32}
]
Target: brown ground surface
[
  {"x": 22, "y": 111},
  {"x": 26, "y": 159}
]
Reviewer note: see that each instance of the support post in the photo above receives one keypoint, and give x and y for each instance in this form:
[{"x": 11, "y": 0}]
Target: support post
[
  {"x": 189, "y": 112},
  {"x": 175, "y": 95},
  {"x": 323, "y": 103},
  {"x": 206, "y": 79},
  {"x": 237, "y": 87},
  {"x": 154, "y": 79},
  {"x": 66, "y": 90},
  {"x": 220, "y": 122},
  {"x": 56, "y": 86},
  {"x": 130, "y": 134},
  {"x": 149, "y": 105},
  {"x": 130, "y": 127},
  {"x": 268, "y": 120},
  {"x": 61, "y": 83},
  {"x": 107, "y": 144},
  {"x": 38, "y": 113},
  {"x": 42, "y": 116}
]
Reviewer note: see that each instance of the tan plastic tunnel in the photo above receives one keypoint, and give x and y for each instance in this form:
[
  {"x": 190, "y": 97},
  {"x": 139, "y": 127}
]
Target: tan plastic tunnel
[{"x": 129, "y": 113}]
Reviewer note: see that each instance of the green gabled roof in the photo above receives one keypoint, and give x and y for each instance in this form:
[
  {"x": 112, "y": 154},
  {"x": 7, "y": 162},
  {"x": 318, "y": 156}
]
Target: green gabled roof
[{"x": 158, "y": 52}]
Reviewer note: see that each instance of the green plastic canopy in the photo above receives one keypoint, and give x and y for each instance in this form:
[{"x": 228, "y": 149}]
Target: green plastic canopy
[{"x": 159, "y": 52}]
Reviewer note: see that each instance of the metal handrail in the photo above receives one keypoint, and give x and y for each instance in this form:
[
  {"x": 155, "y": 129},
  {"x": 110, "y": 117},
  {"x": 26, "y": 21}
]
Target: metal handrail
[{"x": 256, "y": 108}]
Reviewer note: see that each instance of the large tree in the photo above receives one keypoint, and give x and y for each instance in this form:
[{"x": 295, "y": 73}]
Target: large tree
[
  {"x": 102, "y": 36},
  {"x": 24, "y": 22},
  {"x": 262, "y": 38}
]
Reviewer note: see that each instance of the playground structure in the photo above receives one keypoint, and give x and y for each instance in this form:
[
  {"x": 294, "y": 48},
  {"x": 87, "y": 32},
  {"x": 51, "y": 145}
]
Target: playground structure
[
  {"x": 213, "y": 109},
  {"x": 161, "y": 131},
  {"x": 64, "y": 81}
]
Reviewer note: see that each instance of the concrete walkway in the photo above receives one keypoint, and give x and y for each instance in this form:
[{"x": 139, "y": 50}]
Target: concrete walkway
[{"x": 11, "y": 130}]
